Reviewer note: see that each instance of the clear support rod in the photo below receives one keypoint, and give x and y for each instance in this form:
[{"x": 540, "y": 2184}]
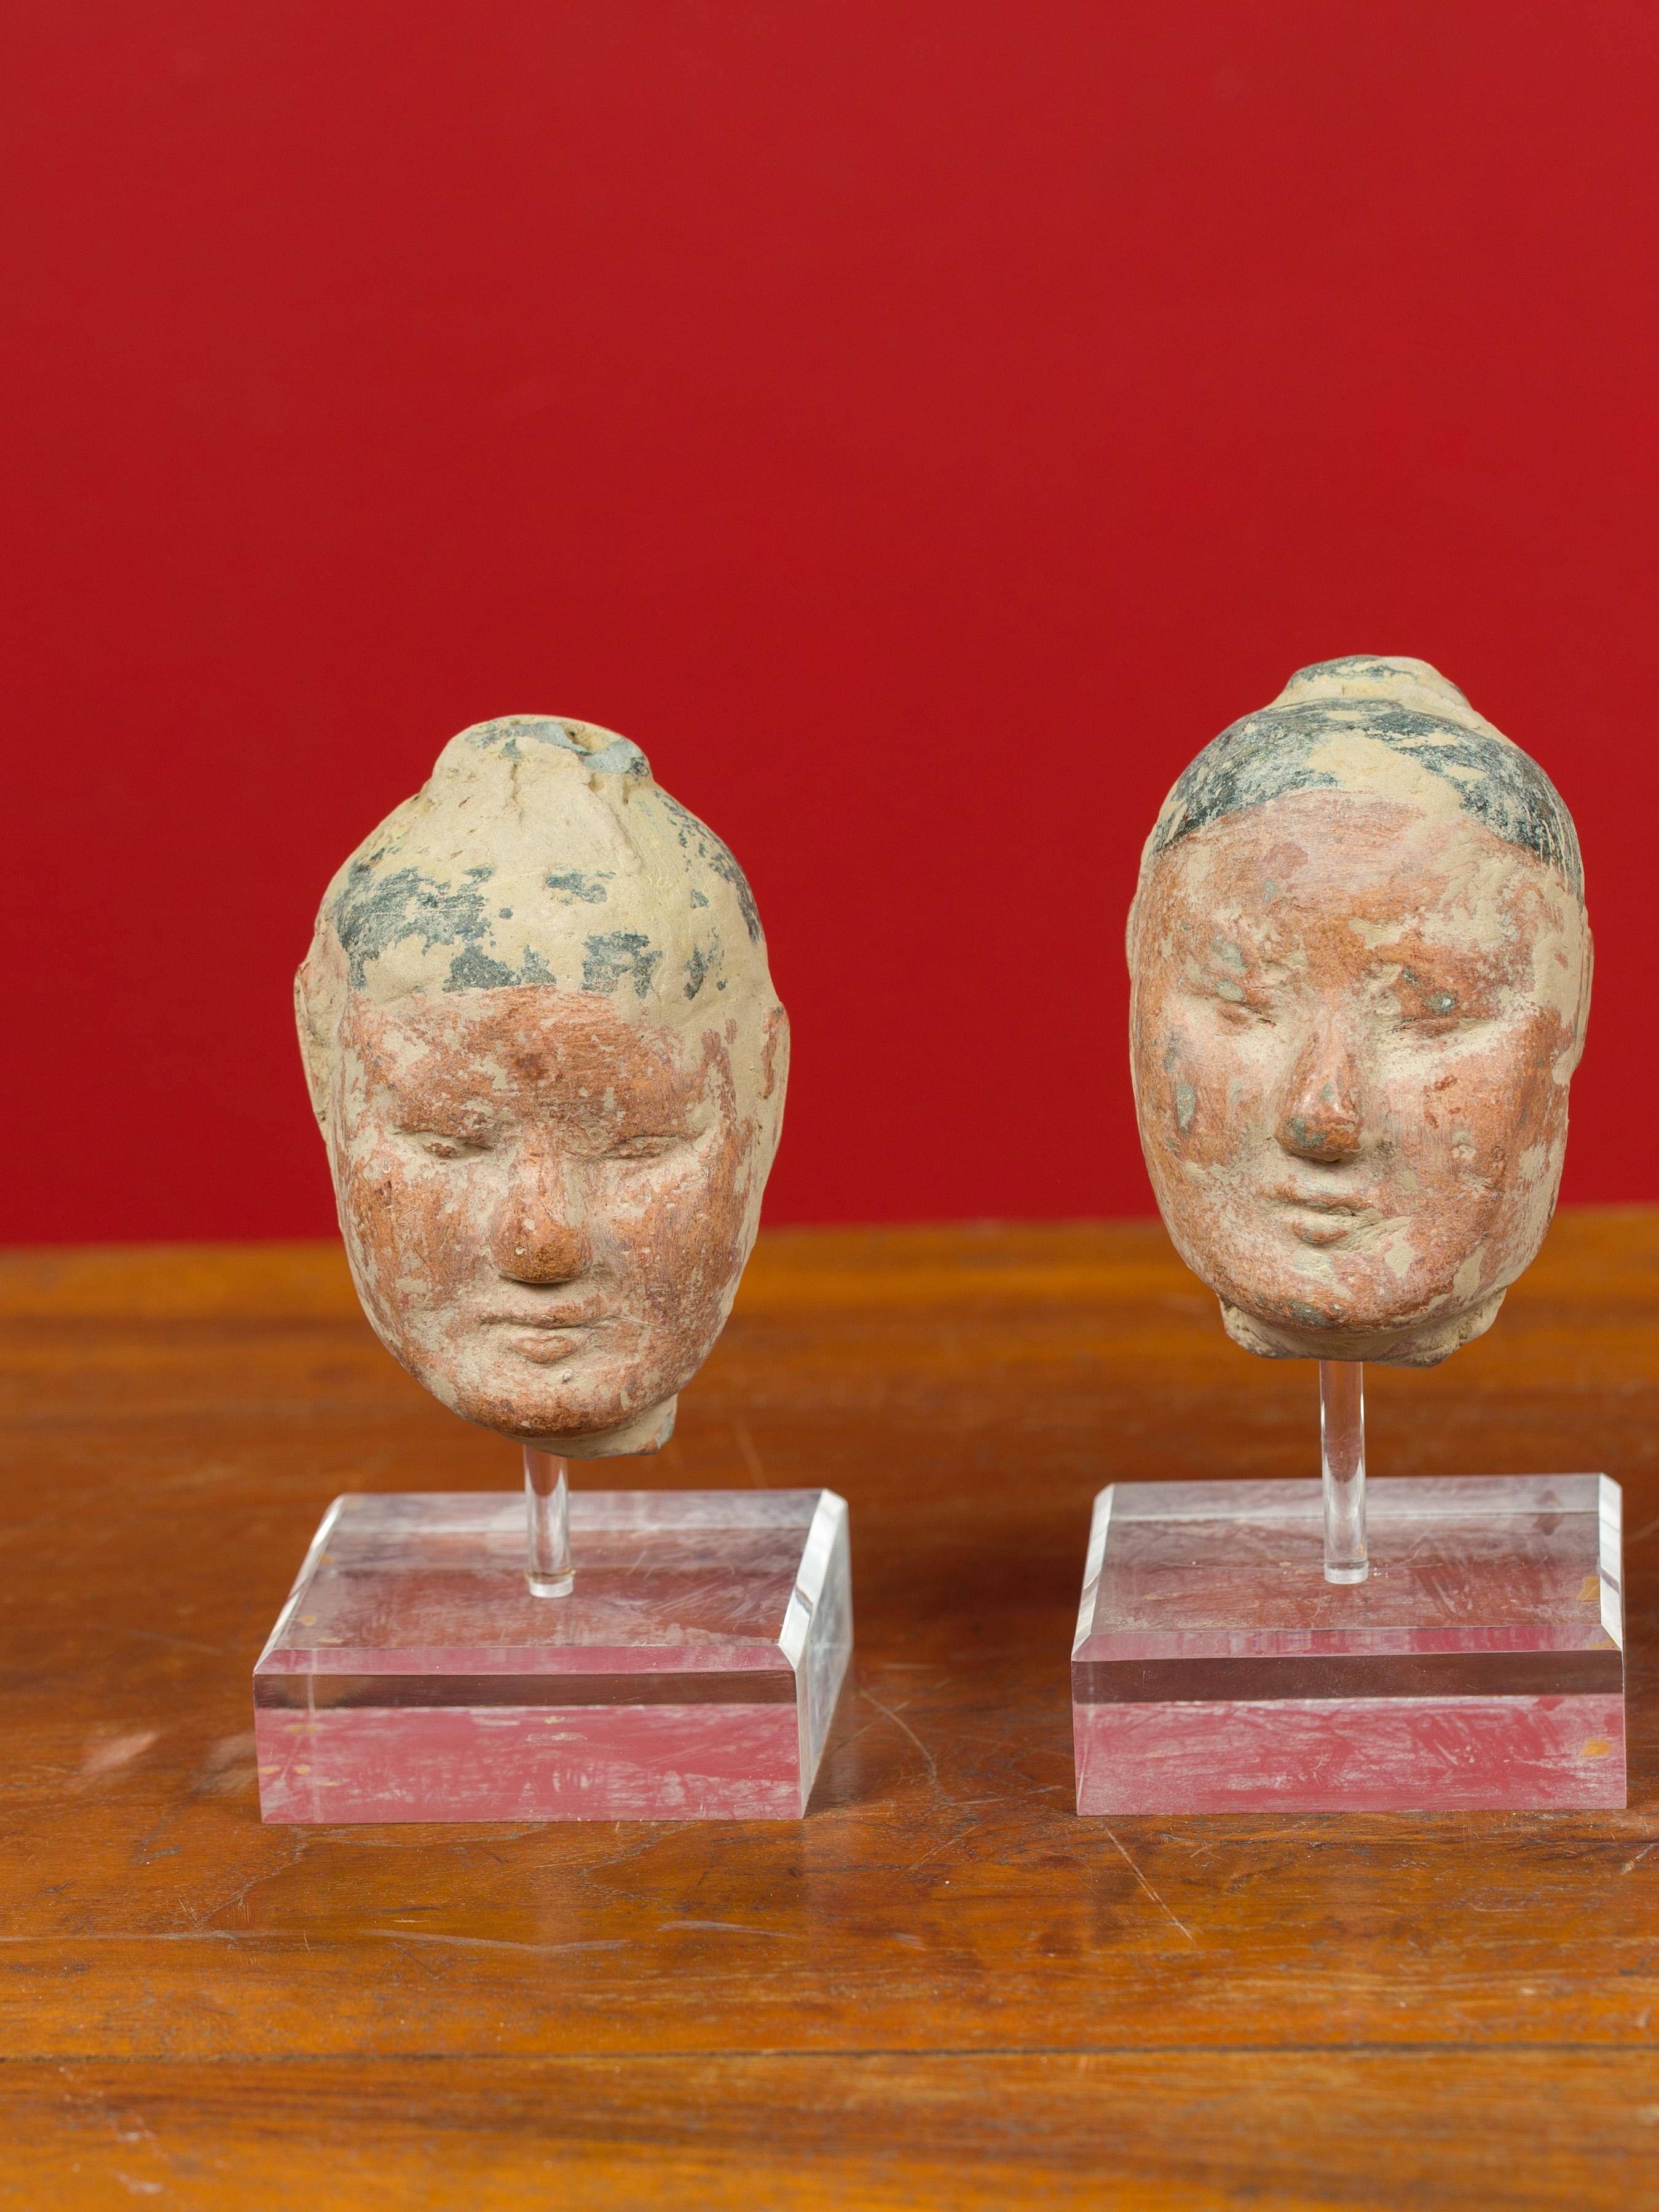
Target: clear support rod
[
  {"x": 1342, "y": 1468},
  {"x": 547, "y": 1512}
]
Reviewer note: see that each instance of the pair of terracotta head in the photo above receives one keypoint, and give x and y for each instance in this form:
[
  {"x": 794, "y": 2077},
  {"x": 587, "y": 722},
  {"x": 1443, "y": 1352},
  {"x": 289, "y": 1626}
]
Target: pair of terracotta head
[{"x": 549, "y": 1062}]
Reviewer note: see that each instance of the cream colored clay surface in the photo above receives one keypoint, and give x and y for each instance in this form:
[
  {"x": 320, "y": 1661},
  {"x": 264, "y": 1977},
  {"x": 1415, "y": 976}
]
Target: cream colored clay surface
[
  {"x": 549, "y": 1064},
  {"x": 1356, "y": 1011}
]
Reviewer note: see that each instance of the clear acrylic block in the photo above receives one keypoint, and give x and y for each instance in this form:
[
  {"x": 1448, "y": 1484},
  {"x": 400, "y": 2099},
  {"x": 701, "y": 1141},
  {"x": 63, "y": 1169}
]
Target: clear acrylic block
[
  {"x": 692, "y": 1674},
  {"x": 1481, "y": 1664}
]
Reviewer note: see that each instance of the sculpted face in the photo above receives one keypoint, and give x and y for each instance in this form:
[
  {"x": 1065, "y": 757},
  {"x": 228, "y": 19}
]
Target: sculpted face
[
  {"x": 546, "y": 1206},
  {"x": 549, "y": 1064},
  {"x": 1356, "y": 1011}
]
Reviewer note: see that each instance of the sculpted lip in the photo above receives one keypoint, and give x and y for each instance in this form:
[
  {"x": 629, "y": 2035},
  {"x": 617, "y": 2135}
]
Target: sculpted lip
[
  {"x": 1325, "y": 1218},
  {"x": 587, "y": 1317},
  {"x": 547, "y": 1339},
  {"x": 1323, "y": 1202}
]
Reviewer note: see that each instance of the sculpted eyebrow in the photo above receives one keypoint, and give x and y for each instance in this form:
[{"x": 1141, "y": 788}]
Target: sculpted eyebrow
[{"x": 413, "y": 1102}]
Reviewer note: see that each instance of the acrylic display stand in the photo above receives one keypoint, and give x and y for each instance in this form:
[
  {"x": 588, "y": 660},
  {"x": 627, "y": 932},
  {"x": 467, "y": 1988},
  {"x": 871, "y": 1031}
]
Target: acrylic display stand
[
  {"x": 654, "y": 1655},
  {"x": 1417, "y": 1645}
]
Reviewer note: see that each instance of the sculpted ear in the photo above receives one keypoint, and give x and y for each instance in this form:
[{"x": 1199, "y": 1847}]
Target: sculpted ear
[
  {"x": 775, "y": 1054},
  {"x": 1581, "y": 1018},
  {"x": 318, "y": 997}
]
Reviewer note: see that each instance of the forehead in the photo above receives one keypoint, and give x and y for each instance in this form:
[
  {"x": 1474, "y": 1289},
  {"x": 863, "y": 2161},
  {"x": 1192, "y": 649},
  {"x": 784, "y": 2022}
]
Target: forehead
[
  {"x": 1315, "y": 857},
  {"x": 1375, "y": 743},
  {"x": 524, "y": 1042}
]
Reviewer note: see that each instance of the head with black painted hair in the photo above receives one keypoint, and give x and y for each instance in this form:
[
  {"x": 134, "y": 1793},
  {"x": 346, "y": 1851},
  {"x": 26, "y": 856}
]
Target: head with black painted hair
[
  {"x": 1361, "y": 971},
  {"x": 549, "y": 1064}
]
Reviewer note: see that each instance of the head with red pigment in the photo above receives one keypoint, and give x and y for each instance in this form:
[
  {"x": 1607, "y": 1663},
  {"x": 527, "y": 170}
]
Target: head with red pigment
[
  {"x": 1361, "y": 973},
  {"x": 549, "y": 1065}
]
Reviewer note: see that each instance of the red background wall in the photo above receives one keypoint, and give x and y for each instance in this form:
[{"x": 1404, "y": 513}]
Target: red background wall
[{"x": 920, "y": 425}]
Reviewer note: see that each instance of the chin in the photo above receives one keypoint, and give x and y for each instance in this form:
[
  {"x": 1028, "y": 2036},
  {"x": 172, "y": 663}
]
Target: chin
[
  {"x": 1421, "y": 1339},
  {"x": 580, "y": 1435},
  {"x": 527, "y": 1410},
  {"x": 588, "y": 1420}
]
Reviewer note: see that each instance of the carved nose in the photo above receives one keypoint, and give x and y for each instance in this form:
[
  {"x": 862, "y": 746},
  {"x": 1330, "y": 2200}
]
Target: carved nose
[
  {"x": 1321, "y": 1119},
  {"x": 540, "y": 1236}
]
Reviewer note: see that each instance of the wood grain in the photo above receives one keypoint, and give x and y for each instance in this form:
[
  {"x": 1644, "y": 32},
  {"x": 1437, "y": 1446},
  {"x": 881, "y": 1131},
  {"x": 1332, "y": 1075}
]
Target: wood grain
[{"x": 940, "y": 1989}]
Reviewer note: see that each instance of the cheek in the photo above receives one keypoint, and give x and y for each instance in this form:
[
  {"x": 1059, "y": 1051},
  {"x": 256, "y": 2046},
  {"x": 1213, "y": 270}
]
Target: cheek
[
  {"x": 1206, "y": 1090},
  {"x": 1170, "y": 1069},
  {"x": 681, "y": 1226},
  {"x": 411, "y": 1228},
  {"x": 1482, "y": 1106}
]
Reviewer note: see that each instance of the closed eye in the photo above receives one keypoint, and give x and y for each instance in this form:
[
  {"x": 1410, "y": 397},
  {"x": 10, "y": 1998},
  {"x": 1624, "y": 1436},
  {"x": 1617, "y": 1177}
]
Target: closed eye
[
  {"x": 646, "y": 1147},
  {"x": 1440, "y": 1014},
  {"x": 1431, "y": 1026},
  {"x": 1242, "y": 1012},
  {"x": 440, "y": 1145}
]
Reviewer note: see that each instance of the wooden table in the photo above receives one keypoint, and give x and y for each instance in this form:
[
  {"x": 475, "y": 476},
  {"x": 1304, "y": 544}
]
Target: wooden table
[{"x": 941, "y": 1989}]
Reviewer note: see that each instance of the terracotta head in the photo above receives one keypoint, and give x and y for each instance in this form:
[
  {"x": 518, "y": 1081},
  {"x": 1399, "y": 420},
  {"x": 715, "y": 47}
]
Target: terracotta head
[
  {"x": 549, "y": 1065},
  {"x": 1361, "y": 972}
]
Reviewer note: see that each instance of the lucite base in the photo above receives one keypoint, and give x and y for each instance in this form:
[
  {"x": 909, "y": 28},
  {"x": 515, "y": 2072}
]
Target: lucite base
[
  {"x": 690, "y": 1675},
  {"x": 1480, "y": 1666}
]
